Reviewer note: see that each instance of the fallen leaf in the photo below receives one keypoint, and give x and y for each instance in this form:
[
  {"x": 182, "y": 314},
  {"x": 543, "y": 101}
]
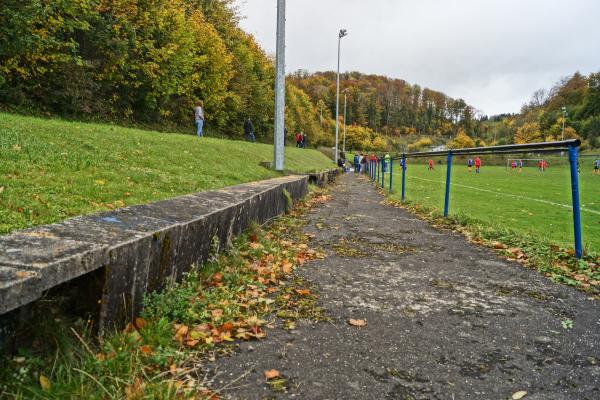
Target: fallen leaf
[
  {"x": 217, "y": 277},
  {"x": 140, "y": 323},
  {"x": 286, "y": 267},
  {"x": 519, "y": 395},
  {"x": 272, "y": 374},
  {"x": 45, "y": 383},
  {"x": 357, "y": 322},
  {"x": 226, "y": 327},
  {"x": 146, "y": 349},
  {"x": 181, "y": 333},
  {"x": 303, "y": 292},
  {"x": 1, "y": 189}
]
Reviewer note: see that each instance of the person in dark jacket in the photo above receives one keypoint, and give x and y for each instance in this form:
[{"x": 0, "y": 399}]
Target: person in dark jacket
[{"x": 249, "y": 130}]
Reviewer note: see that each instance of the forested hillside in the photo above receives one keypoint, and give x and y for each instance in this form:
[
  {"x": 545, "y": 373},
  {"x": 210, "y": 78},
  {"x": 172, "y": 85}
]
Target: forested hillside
[
  {"x": 541, "y": 119},
  {"x": 144, "y": 63},
  {"x": 147, "y": 63}
]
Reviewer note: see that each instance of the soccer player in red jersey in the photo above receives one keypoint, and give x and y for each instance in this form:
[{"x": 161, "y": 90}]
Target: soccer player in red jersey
[
  {"x": 430, "y": 164},
  {"x": 477, "y": 165}
]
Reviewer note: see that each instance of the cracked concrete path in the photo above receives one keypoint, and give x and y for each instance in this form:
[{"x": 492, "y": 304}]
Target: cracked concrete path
[{"x": 446, "y": 319}]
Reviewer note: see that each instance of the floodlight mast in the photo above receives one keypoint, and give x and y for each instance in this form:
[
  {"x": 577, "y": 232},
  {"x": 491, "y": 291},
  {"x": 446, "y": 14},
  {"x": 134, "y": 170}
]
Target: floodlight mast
[
  {"x": 564, "y": 112},
  {"x": 343, "y": 33},
  {"x": 279, "y": 139}
]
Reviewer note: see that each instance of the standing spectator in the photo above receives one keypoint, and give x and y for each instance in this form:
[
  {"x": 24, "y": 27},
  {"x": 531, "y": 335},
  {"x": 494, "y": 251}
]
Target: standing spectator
[
  {"x": 386, "y": 163},
  {"x": 403, "y": 163},
  {"x": 477, "y": 165},
  {"x": 430, "y": 165},
  {"x": 469, "y": 164},
  {"x": 199, "y": 117},
  {"x": 356, "y": 163},
  {"x": 298, "y": 137},
  {"x": 304, "y": 140},
  {"x": 249, "y": 130},
  {"x": 342, "y": 162},
  {"x": 597, "y": 166},
  {"x": 363, "y": 163}
]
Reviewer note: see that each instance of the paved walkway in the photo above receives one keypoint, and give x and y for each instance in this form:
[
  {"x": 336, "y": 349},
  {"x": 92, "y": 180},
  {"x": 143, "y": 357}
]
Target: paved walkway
[{"x": 446, "y": 319}]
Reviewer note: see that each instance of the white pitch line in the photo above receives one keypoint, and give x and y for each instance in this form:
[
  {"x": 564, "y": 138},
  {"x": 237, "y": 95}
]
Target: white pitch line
[{"x": 514, "y": 196}]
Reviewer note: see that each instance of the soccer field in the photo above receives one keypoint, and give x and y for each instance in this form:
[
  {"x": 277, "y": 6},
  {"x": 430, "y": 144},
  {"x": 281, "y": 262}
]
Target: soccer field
[{"x": 531, "y": 202}]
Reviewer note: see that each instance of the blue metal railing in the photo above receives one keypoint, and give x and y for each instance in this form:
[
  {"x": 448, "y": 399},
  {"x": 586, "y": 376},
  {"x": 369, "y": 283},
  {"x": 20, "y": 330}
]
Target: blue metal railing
[{"x": 572, "y": 146}]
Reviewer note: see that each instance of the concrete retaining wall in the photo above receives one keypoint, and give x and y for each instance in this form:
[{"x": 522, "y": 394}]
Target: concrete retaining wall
[{"x": 141, "y": 248}]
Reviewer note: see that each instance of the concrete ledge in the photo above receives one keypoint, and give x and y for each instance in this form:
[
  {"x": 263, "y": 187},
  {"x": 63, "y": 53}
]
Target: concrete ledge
[{"x": 142, "y": 248}]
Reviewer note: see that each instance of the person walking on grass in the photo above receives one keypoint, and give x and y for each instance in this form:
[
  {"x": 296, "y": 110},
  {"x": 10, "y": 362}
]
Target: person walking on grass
[
  {"x": 470, "y": 164},
  {"x": 199, "y": 118},
  {"x": 597, "y": 166},
  {"x": 430, "y": 168},
  {"x": 477, "y": 165},
  {"x": 249, "y": 130}
]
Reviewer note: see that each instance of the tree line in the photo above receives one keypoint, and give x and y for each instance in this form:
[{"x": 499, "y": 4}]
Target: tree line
[
  {"x": 144, "y": 62},
  {"x": 573, "y": 102}
]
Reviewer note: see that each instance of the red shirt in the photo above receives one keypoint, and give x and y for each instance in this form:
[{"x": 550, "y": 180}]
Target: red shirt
[
  {"x": 477, "y": 162},
  {"x": 430, "y": 163}
]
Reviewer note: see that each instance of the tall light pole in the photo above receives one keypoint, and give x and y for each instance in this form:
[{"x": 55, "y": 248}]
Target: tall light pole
[
  {"x": 345, "y": 104},
  {"x": 280, "y": 88},
  {"x": 564, "y": 112},
  {"x": 342, "y": 34}
]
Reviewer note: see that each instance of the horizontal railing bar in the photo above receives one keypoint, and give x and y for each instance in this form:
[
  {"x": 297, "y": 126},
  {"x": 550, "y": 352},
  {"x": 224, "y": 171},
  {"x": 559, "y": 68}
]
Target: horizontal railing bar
[{"x": 562, "y": 145}]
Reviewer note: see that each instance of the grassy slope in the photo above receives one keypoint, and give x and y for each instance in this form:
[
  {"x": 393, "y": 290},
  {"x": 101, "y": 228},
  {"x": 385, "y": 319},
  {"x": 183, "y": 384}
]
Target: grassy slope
[
  {"x": 528, "y": 217},
  {"x": 51, "y": 169}
]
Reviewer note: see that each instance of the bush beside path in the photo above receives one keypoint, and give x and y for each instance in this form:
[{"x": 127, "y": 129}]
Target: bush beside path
[{"x": 419, "y": 313}]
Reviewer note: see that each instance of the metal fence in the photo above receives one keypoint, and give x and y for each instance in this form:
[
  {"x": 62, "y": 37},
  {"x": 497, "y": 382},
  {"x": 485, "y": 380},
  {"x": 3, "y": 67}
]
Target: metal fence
[{"x": 384, "y": 165}]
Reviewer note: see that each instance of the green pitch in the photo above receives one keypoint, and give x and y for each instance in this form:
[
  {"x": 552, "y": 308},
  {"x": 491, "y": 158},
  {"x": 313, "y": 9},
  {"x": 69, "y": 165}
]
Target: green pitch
[{"x": 530, "y": 202}]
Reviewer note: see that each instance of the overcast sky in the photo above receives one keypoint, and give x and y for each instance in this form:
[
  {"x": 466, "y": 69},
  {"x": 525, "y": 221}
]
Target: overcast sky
[{"x": 492, "y": 53}]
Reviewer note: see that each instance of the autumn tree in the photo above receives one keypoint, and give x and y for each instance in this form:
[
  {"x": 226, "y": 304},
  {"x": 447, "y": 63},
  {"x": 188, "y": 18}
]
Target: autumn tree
[
  {"x": 528, "y": 133},
  {"x": 461, "y": 141}
]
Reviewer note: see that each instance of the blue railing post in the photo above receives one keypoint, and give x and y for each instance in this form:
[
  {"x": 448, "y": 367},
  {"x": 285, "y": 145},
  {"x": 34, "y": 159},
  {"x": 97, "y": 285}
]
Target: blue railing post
[
  {"x": 383, "y": 174},
  {"x": 403, "y": 175},
  {"x": 373, "y": 172},
  {"x": 448, "y": 174},
  {"x": 391, "y": 173},
  {"x": 573, "y": 155},
  {"x": 377, "y": 167}
]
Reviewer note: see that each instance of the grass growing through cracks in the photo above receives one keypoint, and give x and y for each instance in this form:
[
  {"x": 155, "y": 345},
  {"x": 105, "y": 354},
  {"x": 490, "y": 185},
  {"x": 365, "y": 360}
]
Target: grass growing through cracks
[
  {"x": 160, "y": 354},
  {"x": 52, "y": 169},
  {"x": 556, "y": 263}
]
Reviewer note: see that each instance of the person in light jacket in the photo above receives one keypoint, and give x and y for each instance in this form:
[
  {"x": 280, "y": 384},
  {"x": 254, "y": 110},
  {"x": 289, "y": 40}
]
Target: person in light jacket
[{"x": 199, "y": 117}]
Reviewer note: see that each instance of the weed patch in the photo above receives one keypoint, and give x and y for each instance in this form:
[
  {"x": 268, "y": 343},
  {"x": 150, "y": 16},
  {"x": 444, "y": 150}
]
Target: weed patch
[{"x": 556, "y": 263}]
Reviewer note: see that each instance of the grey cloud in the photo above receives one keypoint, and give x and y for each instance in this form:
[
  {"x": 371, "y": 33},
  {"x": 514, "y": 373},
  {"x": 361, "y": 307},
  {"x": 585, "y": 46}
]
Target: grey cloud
[{"x": 492, "y": 53}]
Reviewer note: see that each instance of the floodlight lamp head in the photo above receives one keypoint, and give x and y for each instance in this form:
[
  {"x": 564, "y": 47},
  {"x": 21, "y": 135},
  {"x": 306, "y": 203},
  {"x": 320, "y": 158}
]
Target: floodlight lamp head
[{"x": 343, "y": 33}]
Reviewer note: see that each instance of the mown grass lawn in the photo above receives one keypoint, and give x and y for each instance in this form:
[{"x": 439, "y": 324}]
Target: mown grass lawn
[
  {"x": 51, "y": 169},
  {"x": 531, "y": 203}
]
